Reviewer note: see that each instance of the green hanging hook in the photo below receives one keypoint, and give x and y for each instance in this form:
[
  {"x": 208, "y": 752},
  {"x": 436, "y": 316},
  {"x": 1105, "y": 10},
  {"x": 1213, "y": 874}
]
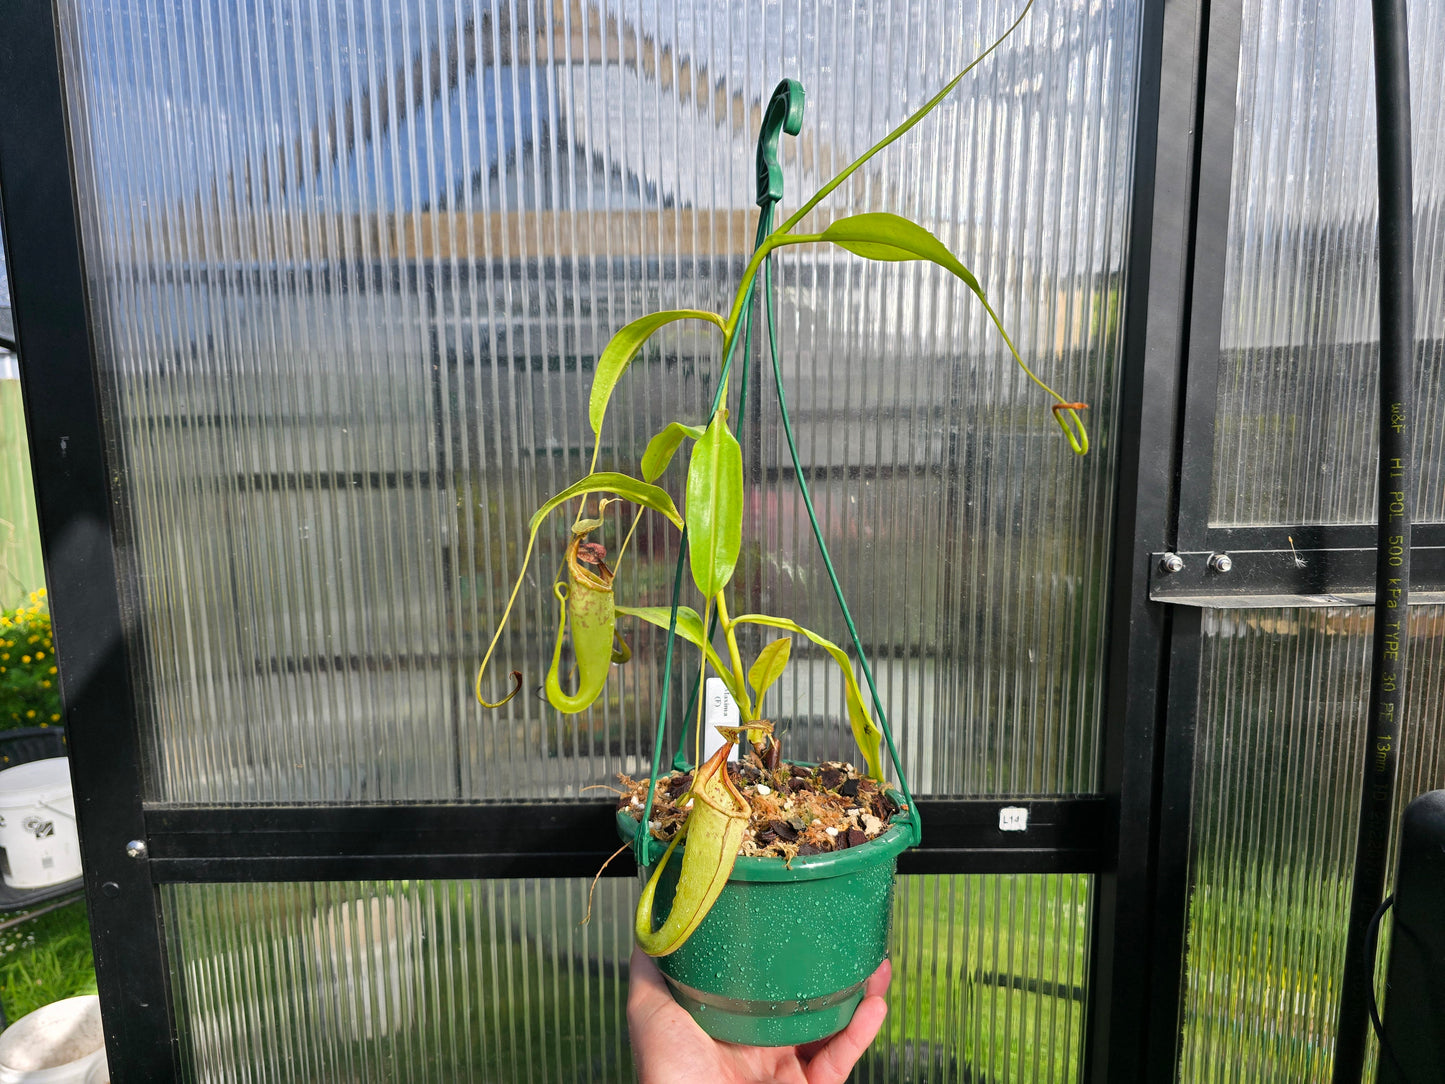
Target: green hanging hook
[{"x": 784, "y": 114}]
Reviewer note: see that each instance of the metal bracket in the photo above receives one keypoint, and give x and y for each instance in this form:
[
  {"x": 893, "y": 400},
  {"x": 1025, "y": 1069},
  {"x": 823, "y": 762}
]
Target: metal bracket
[{"x": 1263, "y": 579}]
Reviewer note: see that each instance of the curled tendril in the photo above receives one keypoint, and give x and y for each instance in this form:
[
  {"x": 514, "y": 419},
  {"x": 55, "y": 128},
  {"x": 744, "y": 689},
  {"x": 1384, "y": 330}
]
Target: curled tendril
[
  {"x": 515, "y": 675},
  {"x": 1072, "y": 425}
]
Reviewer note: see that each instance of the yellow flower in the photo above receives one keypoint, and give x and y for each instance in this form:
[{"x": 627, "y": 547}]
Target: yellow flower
[
  {"x": 25, "y": 658},
  {"x": 39, "y": 655},
  {"x": 45, "y": 684},
  {"x": 52, "y": 669},
  {"x": 5, "y": 656},
  {"x": 30, "y": 714},
  {"x": 55, "y": 718}
]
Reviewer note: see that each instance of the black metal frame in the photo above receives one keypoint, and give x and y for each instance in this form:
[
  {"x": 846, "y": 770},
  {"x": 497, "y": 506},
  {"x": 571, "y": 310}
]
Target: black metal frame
[
  {"x": 559, "y": 839},
  {"x": 1156, "y": 315},
  {"x": 73, "y": 501},
  {"x": 1133, "y": 837}
]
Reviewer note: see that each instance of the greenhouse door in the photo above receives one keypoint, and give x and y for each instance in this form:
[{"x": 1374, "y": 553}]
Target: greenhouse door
[{"x": 309, "y": 299}]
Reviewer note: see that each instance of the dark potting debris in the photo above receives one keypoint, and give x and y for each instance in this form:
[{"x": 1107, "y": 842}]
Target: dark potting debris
[{"x": 797, "y": 809}]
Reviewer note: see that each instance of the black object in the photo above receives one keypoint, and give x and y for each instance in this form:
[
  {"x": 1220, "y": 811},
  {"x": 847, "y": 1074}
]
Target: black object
[
  {"x": 1392, "y": 568},
  {"x": 27, "y": 743},
  {"x": 1414, "y": 1031}
]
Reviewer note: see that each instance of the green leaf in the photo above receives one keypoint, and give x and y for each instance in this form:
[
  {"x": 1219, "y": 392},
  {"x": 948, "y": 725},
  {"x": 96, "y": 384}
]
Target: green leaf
[
  {"x": 624, "y": 485},
  {"x": 882, "y": 236},
  {"x": 769, "y": 666},
  {"x": 689, "y": 627},
  {"x": 865, "y": 730},
  {"x": 623, "y": 347},
  {"x": 715, "y": 506},
  {"x": 661, "y": 448},
  {"x": 689, "y": 624}
]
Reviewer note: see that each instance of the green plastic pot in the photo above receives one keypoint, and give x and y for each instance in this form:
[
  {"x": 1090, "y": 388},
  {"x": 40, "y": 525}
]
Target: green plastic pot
[{"x": 783, "y": 955}]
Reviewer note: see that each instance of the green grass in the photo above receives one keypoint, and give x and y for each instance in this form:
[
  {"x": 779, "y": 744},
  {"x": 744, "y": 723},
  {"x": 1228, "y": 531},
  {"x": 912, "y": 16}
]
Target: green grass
[{"x": 45, "y": 960}]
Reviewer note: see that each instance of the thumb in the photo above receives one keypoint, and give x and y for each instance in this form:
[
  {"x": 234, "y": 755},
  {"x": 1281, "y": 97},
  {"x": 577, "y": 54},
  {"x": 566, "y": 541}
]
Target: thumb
[{"x": 833, "y": 1063}]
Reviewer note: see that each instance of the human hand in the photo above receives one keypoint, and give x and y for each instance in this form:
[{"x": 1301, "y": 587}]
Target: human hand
[{"x": 668, "y": 1047}]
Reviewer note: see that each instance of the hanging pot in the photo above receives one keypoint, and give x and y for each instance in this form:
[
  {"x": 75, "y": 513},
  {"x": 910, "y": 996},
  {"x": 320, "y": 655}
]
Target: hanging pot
[{"x": 783, "y": 955}]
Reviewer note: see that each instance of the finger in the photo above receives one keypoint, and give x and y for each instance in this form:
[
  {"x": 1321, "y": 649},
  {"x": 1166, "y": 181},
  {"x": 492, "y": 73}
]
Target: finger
[
  {"x": 647, "y": 990},
  {"x": 835, "y": 1061},
  {"x": 877, "y": 984}
]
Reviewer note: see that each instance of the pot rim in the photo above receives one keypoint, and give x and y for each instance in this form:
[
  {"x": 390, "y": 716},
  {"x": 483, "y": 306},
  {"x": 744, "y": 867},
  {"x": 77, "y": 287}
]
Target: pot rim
[{"x": 811, "y": 867}]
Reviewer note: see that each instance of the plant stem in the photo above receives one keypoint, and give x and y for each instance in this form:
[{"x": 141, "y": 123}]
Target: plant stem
[
  {"x": 622, "y": 549},
  {"x": 734, "y": 655},
  {"x": 774, "y": 240}
]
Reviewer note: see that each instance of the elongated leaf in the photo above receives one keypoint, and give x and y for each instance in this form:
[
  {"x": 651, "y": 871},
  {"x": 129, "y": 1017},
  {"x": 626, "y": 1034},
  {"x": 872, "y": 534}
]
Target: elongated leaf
[
  {"x": 769, "y": 666},
  {"x": 689, "y": 624},
  {"x": 623, "y": 347},
  {"x": 661, "y": 448},
  {"x": 715, "y": 506},
  {"x": 865, "y": 730},
  {"x": 878, "y": 235},
  {"x": 624, "y": 485},
  {"x": 690, "y": 628}
]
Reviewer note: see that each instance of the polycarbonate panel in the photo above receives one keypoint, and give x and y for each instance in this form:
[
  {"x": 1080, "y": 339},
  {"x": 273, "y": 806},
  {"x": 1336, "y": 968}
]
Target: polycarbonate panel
[
  {"x": 352, "y": 265},
  {"x": 990, "y": 981},
  {"x": 497, "y": 982},
  {"x": 1297, "y": 427},
  {"x": 1280, "y": 747}
]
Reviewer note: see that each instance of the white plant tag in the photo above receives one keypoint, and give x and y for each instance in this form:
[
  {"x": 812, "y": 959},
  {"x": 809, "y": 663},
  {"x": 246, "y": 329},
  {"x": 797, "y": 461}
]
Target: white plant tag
[
  {"x": 719, "y": 709},
  {"x": 1013, "y": 818}
]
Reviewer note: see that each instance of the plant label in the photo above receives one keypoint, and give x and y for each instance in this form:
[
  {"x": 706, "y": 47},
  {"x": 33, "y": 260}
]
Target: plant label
[
  {"x": 1013, "y": 818},
  {"x": 719, "y": 709}
]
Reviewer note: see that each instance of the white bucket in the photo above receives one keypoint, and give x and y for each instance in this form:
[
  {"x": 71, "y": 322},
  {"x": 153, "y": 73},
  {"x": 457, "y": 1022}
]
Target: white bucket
[
  {"x": 37, "y": 825},
  {"x": 59, "y": 1043}
]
